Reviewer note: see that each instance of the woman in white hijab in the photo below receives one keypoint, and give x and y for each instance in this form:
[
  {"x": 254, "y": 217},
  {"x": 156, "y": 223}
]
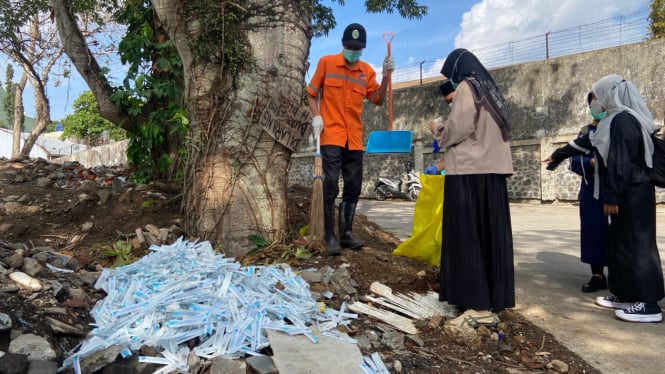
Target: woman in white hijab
[{"x": 624, "y": 147}]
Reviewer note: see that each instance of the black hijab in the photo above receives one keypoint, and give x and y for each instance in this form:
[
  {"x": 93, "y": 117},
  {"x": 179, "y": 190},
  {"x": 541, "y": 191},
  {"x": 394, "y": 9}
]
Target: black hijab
[{"x": 461, "y": 64}]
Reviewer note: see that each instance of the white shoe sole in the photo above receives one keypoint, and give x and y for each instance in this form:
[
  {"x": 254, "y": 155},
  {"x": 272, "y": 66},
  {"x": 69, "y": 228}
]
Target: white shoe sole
[
  {"x": 601, "y": 301},
  {"x": 658, "y": 317}
]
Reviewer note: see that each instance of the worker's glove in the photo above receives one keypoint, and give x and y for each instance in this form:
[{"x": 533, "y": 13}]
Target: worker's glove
[
  {"x": 431, "y": 170},
  {"x": 388, "y": 66},
  {"x": 317, "y": 125}
]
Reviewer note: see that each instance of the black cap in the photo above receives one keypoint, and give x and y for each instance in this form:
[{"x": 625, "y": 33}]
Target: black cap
[
  {"x": 446, "y": 88},
  {"x": 354, "y": 35}
]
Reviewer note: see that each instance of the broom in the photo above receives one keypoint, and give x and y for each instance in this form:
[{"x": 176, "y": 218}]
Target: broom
[{"x": 316, "y": 224}]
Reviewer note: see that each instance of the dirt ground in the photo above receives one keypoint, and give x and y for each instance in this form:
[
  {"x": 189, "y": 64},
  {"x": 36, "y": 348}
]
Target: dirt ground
[{"x": 74, "y": 220}]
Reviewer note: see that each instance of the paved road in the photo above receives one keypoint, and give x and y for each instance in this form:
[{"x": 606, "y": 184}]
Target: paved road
[{"x": 548, "y": 277}]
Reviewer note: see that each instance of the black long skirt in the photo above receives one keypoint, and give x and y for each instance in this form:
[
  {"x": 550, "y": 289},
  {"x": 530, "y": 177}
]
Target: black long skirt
[
  {"x": 477, "y": 270},
  {"x": 634, "y": 269}
]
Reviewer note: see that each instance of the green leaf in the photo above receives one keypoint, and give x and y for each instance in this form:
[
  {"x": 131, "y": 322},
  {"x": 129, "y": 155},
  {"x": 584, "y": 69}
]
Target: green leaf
[{"x": 258, "y": 240}]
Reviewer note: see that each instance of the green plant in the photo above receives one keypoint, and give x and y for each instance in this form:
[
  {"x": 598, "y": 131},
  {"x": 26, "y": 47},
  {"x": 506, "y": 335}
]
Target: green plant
[
  {"x": 122, "y": 251},
  {"x": 299, "y": 253},
  {"x": 153, "y": 84},
  {"x": 87, "y": 123},
  {"x": 148, "y": 203},
  {"x": 260, "y": 242}
]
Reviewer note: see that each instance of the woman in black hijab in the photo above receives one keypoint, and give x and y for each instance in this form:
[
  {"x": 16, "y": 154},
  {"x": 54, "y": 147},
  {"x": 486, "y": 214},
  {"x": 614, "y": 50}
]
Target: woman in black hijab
[{"x": 477, "y": 272}]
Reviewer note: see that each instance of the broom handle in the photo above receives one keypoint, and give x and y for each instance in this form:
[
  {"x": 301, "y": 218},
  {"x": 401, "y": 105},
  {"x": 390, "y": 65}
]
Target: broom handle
[
  {"x": 318, "y": 173},
  {"x": 388, "y": 37}
]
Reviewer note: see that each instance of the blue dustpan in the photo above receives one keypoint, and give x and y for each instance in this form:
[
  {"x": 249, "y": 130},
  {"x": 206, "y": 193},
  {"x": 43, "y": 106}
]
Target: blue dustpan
[{"x": 389, "y": 142}]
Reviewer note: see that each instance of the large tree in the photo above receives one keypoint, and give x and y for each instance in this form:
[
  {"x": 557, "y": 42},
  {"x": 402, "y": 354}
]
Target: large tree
[
  {"x": 88, "y": 124},
  {"x": 237, "y": 58},
  {"x": 657, "y": 18},
  {"x": 10, "y": 91},
  {"x": 29, "y": 39}
]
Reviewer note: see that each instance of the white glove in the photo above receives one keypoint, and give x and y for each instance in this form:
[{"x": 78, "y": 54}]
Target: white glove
[
  {"x": 317, "y": 125},
  {"x": 388, "y": 65}
]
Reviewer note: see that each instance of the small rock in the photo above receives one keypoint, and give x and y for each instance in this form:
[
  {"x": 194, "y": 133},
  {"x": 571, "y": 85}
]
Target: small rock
[
  {"x": 222, "y": 365},
  {"x": 25, "y": 280},
  {"x": 5, "y": 322},
  {"x": 32, "y": 267},
  {"x": 60, "y": 327},
  {"x": 416, "y": 339},
  {"x": 462, "y": 335},
  {"x": 103, "y": 194},
  {"x": 33, "y": 346},
  {"x": 397, "y": 365},
  {"x": 86, "y": 227},
  {"x": 261, "y": 365},
  {"x": 393, "y": 340},
  {"x": 363, "y": 343},
  {"x": 14, "y": 261},
  {"x": 12, "y": 363},
  {"x": 558, "y": 365},
  {"x": 311, "y": 276},
  {"x": 89, "y": 277},
  {"x": 100, "y": 359},
  {"x": 42, "y": 366}
]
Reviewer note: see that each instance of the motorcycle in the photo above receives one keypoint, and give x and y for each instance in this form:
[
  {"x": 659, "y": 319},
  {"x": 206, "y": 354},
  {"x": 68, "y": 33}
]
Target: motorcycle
[{"x": 391, "y": 187}]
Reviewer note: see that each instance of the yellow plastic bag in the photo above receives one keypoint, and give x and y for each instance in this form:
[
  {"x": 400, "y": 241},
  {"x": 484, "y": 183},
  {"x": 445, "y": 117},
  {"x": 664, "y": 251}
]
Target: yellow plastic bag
[{"x": 424, "y": 244}]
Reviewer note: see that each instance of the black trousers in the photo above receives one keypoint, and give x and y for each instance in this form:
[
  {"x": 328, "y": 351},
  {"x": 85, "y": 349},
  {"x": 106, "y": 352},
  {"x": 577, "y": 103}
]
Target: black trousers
[{"x": 350, "y": 163}]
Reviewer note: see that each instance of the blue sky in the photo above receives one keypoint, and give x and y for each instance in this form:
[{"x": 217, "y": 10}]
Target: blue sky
[{"x": 470, "y": 24}]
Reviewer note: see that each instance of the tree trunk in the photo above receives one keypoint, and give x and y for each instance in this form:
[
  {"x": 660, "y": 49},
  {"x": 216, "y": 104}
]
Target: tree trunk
[
  {"x": 19, "y": 117},
  {"x": 43, "y": 119},
  {"x": 38, "y": 82},
  {"x": 237, "y": 173}
]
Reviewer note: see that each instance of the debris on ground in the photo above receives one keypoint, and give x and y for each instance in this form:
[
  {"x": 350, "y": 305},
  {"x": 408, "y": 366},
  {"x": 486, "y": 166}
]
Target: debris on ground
[{"x": 63, "y": 229}]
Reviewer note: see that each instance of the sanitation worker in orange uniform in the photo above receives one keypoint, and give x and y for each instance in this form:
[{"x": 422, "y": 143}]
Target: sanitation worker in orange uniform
[{"x": 336, "y": 92}]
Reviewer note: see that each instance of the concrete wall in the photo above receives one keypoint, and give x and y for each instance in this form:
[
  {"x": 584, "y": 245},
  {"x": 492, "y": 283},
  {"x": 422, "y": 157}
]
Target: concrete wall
[
  {"x": 110, "y": 155},
  {"x": 548, "y": 104}
]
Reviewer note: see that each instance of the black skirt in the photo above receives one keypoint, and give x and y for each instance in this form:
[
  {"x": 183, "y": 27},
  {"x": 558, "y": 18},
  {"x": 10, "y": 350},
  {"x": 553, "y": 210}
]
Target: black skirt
[
  {"x": 477, "y": 270},
  {"x": 634, "y": 269}
]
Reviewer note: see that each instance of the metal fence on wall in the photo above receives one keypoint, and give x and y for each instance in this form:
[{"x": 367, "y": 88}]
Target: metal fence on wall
[{"x": 607, "y": 33}]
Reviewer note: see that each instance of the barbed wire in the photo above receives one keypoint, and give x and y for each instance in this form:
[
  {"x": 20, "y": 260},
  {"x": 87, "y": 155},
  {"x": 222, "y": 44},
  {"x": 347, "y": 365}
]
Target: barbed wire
[{"x": 611, "y": 32}]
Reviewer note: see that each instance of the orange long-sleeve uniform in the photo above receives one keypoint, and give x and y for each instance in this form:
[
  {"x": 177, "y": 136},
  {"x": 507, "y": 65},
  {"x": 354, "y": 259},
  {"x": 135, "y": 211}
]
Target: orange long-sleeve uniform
[{"x": 342, "y": 91}]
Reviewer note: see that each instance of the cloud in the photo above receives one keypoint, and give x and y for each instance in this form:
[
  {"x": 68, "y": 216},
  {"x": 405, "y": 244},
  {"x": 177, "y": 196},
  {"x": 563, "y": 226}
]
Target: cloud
[{"x": 495, "y": 22}]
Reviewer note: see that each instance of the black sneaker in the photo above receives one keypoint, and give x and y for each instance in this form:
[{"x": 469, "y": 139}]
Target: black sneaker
[
  {"x": 597, "y": 282},
  {"x": 640, "y": 312},
  {"x": 612, "y": 301}
]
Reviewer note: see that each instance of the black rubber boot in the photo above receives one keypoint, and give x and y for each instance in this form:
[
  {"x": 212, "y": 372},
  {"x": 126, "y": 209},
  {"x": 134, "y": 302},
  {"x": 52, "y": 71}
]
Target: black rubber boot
[
  {"x": 331, "y": 240},
  {"x": 346, "y": 213}
]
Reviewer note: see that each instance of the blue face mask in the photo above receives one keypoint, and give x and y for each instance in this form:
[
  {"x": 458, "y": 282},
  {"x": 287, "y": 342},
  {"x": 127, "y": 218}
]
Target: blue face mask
[
  {"x": 352, "y": 56},
  {"x": 598, "y": 116},
  {"x": 597, "y": 111}
]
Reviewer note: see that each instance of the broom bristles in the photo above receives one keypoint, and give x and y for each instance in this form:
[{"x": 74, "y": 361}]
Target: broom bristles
[{"x": 316, "y": 224}]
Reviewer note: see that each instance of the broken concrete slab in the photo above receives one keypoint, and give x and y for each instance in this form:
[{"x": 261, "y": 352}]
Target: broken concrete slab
[{"x": 298, "y": 355}]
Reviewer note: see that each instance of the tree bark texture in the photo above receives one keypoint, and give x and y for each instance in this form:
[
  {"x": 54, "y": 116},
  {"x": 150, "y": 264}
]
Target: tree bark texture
[
  {"x": 18, "y": 116},
  {"x": 236, "y": 177},
  {"x": 76, "y": 48},
  {"x": 39, "y": 82}
]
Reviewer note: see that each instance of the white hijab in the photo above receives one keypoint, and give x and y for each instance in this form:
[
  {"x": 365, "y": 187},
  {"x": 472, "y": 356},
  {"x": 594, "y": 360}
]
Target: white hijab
[{"x": 617, "y": 95}]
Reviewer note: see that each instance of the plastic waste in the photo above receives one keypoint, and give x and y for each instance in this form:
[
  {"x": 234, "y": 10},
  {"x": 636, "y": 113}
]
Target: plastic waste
[{"x": 186, "y": 291}]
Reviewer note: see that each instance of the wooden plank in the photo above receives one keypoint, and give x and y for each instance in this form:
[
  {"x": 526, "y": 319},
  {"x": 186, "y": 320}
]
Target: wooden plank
[{"x": 397, "y": 321}]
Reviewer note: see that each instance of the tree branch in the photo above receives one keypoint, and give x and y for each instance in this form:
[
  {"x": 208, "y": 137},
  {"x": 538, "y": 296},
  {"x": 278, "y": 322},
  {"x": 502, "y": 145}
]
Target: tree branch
[{"x": 86, "y": 64}]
